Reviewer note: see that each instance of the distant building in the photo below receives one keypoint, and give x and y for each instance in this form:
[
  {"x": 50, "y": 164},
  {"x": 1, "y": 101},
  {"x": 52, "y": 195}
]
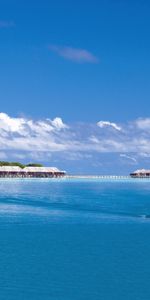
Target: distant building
[
  {"x": 30, "y": 172},
  {"x": 141, "y": 173}
]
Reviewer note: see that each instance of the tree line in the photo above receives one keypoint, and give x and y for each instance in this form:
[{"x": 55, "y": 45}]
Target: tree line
[{"x": 18, "y": 164}]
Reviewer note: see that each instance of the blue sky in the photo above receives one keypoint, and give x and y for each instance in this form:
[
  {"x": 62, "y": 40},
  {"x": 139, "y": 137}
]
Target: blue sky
[{"x": 71, "y": 65}]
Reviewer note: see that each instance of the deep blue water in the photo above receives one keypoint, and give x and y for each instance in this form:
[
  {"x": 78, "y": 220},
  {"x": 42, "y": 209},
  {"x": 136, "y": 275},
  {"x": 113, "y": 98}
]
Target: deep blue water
[{"x": 74, "y": 239}]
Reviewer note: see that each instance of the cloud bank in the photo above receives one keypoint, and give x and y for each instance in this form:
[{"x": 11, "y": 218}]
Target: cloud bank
[
  {"x": 53, "y": 139},
  {"x": 143, "y": 124}
]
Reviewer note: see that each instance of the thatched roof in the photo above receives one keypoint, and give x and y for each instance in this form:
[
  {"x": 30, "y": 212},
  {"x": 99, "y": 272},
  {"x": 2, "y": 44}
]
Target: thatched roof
[
  {"x": 10, "y": 169},
  {"x": 29, "y": 169},
  {"x": 142, "y": 171},
  {"x": 41, "y": 169}
]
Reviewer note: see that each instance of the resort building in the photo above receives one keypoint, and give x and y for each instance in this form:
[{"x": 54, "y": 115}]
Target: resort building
[
  {"x": 29, "y": 172},
  {"x": 141, "y": 173}
]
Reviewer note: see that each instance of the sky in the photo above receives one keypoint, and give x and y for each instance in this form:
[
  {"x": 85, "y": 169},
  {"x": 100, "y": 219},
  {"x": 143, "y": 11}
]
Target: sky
[{"x": 75, "y": 84}]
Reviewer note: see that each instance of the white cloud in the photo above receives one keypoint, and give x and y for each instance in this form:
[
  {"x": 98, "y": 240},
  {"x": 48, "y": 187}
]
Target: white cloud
[
  {"x": 74, "y": 156},
  {"x": 41, "y": 128},
  {"x": 27, "y": 134},
  {"x": 143, "y": 124},
  {"x": 27, "y": 127},
  {"x": 58, "y": 123},
  {"x": 129, "y": 157},
  {"x": 103, "y": 124},
  {"x": 74, "y": 54},
  {"x": 41, "y": 138},
  {"x": 145, "y": 155},
  {"x": 94, "y": 139},
  {"x": 11, "y": 124}
]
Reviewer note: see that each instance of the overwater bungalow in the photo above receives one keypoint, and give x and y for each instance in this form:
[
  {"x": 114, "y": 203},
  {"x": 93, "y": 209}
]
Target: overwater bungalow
[
  {"x": 30, "y": 172},
  {"x": 141, "y": 174}
]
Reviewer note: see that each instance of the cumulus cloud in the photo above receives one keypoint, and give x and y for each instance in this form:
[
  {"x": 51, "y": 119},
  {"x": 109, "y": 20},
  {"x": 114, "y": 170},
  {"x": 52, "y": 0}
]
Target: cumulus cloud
[
  {"x": 103, "y": 124},
  {"x": 27, "y": 127},
  {"x": 39, "y": 139},
  {"x": 58, "y": 124},
  {"x": 74, "y": 54},
  {"x": 27, "y": 134},
  {"x": 9, "y": 124}
]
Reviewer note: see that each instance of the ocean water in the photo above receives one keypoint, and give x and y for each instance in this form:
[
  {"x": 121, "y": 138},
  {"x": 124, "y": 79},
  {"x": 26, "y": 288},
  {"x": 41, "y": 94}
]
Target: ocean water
[{"x": 74, "y": 239}]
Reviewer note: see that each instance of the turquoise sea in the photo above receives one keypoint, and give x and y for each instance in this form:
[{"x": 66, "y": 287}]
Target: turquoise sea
[{"x": 69, "y": 239}]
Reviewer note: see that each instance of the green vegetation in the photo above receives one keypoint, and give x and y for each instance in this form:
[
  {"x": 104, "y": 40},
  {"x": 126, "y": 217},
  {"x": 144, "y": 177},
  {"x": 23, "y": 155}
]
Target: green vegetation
[
  {"x": 34, "y": 165},
  {"x": 18, "y": 164}
]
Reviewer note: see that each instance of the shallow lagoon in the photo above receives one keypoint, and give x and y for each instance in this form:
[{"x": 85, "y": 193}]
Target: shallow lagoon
[{"x": 72, "y": 239}]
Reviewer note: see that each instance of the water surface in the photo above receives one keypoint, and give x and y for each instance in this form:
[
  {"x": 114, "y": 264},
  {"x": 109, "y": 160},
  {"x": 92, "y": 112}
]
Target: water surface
[{"x": 74, "y": 239}]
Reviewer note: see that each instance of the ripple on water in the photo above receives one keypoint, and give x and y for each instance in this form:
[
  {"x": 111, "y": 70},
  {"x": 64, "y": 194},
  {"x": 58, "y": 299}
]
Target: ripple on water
[{"x": 81, "y": 201}]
